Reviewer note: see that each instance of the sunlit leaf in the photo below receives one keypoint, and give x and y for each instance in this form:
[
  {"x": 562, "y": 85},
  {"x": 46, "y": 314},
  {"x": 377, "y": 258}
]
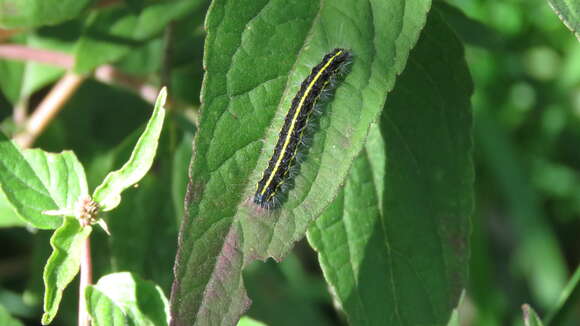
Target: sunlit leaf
[
  {"x": 121, "y": 296},
  {"x": 35, "y": 181},
  {"x": 63, "y": 264},
  {"x": 108, "y": 194},
  {"x": 257, "y": 54}
]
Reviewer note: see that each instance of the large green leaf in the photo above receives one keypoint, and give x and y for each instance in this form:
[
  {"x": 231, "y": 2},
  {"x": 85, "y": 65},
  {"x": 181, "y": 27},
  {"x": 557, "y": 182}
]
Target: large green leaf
[
  {"x": 33, "y": 13},
  {"x": 108, "y": 194},
  {"x": 569, "y": 13},
  {"x": 394, "y": 244},
  {"x": 113, "y": 31},
  {"x": 63, "y": 264},
  {"x": 124, "y": 296},
  {"x": 257, "y": 54},
  {"x": 35, "y": 181},
  {"x": 8, "y": 217}
]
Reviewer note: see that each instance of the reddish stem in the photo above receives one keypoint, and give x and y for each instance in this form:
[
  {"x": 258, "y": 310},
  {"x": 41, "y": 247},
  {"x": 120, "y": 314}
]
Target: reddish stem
[
  {"x": 86, "y": 279},
  {"x": 49, "y": 108},
  {"x": 25, "y": 53}
]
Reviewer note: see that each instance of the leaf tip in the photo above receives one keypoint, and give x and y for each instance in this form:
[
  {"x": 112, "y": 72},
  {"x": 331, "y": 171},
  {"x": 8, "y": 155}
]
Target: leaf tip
[
  {"x": 162, "y": 97},
  {"x": 46, "y": 318}
]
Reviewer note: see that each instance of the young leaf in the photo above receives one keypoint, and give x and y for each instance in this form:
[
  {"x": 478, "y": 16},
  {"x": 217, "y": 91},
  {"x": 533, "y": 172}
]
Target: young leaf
[
  {"x": 6, "y": 319},
  {"x": 35, "y": 181},
  {"x": 569, "y": 13},
  {"x": 141, "y": 302},
  {"x": 102, "y": 309},
  {"x": 108, "y": 194},
  {"x": 34, "y": 13},
  {"x": 257, "y": 54},
  {"x": 63, "y": 264},
  {"x": 530, "y": 316}
]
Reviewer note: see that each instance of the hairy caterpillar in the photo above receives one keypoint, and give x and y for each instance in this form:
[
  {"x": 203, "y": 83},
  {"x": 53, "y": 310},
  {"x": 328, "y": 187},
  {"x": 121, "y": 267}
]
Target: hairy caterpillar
[{"x": 296, "y": 121}]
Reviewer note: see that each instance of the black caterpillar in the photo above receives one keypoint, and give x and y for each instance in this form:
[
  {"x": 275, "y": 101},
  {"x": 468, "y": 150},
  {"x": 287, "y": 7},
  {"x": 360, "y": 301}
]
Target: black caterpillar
[{"x": 290, "y": 137}]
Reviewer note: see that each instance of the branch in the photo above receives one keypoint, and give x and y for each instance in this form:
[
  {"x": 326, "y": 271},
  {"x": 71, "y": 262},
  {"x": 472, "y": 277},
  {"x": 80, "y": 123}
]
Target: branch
[
  {"x": 109, "y": 75},
  {"x": 86, "y": 279},
  {"x": 48, "y": 109},
  {"x": 25, "y": 53}
]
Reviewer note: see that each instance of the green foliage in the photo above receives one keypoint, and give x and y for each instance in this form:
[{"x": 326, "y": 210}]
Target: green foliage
[
  {"x": 112, "y": 32},
  {"x": 6, "y": 319},
  {"x": 384, "y": 192},
  {"x": 398, "y": 192},
  {"x": 530, "y": 316},
  {"x": 63, "y": 264},
  {"x": 32, "y": 13},
  {"x": 108, "y": 193},
  {"x": 569, "y": 13},
  {"x": 9, "y": 216},
  {"x": 225, "y": 167},
  {"x": 34, "y": 182},
  {"x": 246, "y": 321},
  {"x": 565, "y": 306},
  {"x": 124, "y": 299}
]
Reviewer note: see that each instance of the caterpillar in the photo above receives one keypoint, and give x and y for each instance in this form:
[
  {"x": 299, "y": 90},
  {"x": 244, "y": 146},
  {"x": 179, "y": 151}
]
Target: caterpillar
[{"x": 289, "y": 142}]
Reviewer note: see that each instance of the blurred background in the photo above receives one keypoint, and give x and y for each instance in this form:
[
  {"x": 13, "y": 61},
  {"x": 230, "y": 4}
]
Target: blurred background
[{"x": 525, "y": 229}]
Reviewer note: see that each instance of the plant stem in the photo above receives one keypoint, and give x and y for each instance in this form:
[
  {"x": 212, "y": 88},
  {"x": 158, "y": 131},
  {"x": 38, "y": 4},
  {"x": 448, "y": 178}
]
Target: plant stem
[
  {"x": 86, "y": 279},
  {"x": 49, "y": 108},
  {"x": 26, "y": 53}
]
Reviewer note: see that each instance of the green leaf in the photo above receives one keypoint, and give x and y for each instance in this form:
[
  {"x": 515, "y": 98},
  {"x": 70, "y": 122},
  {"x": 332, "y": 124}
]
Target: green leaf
[
  {"x": 468, "y": 29},
  {"x": 108, "y": 194},
  {"x": 34, "y": 13},
  {"x": 530, "y": 316},
  {"x": 179, "y": 173},
  {"x": 7, "y": 320},
  {"x": 567, "y": 302},
  {"x": 113, "y": 31},
  {"x": 103, "y": 311},
  {"x": 63, "y": 264},
  {"x": 393, "y": 246},
  {"x": 35, "y": 181},
  {"x": 569, "y": 13},
  {"x": 455, "y": 319},
  {"x": 257, "y": 54},
  {"x": 8, "y": 217},
  {"x": 124, "y": 294},
  {"x": 247, "y": 321}
]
